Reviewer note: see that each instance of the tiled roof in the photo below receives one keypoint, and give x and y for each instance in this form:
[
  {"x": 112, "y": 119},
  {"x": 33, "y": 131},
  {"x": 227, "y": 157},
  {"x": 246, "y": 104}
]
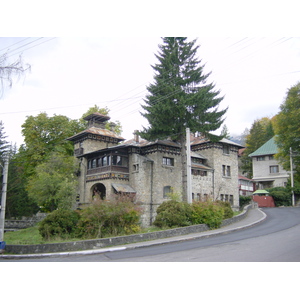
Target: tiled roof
[{"x": 266, "y": 149}]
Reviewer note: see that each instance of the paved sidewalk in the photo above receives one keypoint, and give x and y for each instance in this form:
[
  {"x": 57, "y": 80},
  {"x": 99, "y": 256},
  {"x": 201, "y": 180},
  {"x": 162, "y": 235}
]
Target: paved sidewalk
[{"x": 254, "y": 216}]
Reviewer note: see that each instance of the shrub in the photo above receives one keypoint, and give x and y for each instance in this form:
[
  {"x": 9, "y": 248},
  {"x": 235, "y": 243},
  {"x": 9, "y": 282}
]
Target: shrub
[
  {"x": 228, "y": 212},
  {"x": 281, "y": 196},
  {"x": 244, "y": 200},
  {"x": 209, "y": 213},
  {"x": 59, "y": 223},
  {"x": 173, "y": 213},
  {"x": 106, "y": 218}
]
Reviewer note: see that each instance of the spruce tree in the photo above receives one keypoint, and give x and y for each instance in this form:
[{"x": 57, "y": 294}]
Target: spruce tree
[{"x": 180, "y": 97}]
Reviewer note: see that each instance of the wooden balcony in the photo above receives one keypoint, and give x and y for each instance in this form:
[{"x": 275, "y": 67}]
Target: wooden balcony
[{"x": 106, "y": 169}]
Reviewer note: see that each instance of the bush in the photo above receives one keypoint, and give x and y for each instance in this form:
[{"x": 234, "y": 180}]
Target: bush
[
  {"x": 209, "y": 213},
  {"x": 173, "y": 213},
  {"x": 281, "y": 196},
  {"x": 244, "y": 200},
  {"x": 59, "y": 223},
  {"x": 106, "y": 218},
  {"x": 228, "y": 212}
]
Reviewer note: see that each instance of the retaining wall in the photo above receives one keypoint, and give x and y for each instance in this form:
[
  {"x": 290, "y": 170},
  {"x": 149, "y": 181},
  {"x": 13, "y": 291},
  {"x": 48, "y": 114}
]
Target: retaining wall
[{"x": 115, "y": 241}]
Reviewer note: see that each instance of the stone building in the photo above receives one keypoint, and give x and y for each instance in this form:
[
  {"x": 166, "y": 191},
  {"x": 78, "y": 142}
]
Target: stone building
[{"x": 149, "y": 171}]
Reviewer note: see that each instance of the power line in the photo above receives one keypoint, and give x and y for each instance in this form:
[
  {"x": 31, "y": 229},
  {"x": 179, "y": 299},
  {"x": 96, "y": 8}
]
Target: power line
[{"x": 8, "y": 47}]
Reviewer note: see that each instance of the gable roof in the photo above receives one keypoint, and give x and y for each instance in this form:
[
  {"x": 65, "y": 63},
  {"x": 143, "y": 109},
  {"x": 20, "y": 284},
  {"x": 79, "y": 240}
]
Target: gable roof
[{"x": 267, "y": 148}]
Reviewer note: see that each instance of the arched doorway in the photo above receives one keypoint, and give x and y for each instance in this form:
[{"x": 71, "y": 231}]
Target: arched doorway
[{"x": 98, "y": 192}]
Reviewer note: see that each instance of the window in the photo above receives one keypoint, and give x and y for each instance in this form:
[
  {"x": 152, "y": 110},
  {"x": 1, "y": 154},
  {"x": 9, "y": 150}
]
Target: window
[
  {"x": 168, "y": 161},
  {"x": 271, "y": 157},
  {"x": 94, "y": 163},
  {"x": 136, "y": 167},
  {"x": 106, "y": 161},
  {"x": 226, "y": 171},
  {"x": 274, "y": 169},
  {"x": 167, "y": 191},
  {"x": 260, "y": 158},
  {"x": 117, "y": 160},
  {"x": 226, "y": 149},
  {"x": 231, "y": 199}
]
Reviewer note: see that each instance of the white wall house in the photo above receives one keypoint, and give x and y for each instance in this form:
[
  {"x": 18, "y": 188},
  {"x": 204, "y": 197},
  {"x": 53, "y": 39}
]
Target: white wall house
[{"x": 267, "y": 172}]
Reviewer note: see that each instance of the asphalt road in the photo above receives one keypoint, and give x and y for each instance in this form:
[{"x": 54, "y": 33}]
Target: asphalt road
[{"x": 277, "y": 239}]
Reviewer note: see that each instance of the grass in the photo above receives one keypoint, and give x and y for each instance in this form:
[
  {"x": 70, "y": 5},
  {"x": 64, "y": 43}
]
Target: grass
[{"x": 30, "y": 236}]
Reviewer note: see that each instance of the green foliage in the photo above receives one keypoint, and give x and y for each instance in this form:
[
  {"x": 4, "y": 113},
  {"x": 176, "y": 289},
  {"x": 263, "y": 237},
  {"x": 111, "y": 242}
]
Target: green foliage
[
  {"x": 44, "y": 135},
  {"x": 228, "y": 212},
  {"x": 244, "y": 200},
  {"x": 108, "y": 218},
  {"x": 287, "y": 130},
  {"x": 54, "y": 184},
  {"x": 209, "y": 213},
  {"x": 225, "y": 133},
  {"x": 261, "y": 131},
  {"x": 173, "y": 213},
  {"x": 60, "y": 223},
  {"x": 18, "y": 204},
  {"x": 180, "y": 96},
  {"x": 281, "y": 196}
]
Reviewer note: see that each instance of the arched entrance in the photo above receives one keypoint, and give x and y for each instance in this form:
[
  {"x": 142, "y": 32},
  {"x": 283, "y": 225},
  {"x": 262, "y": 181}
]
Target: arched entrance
[{"x": 98, "y": 192}]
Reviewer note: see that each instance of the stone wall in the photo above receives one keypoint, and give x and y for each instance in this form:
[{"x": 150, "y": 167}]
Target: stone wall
[
  {"x": 225, "y": 187},
  {"x": 25, "y": 222}
]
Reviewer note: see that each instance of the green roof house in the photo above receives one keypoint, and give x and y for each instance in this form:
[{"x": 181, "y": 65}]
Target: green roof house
[{"x": 267, "y": 172}]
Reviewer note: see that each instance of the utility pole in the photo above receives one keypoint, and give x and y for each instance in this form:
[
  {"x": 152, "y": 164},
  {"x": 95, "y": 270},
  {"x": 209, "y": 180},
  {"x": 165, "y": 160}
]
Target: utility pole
[
  {"x": 3, "y": 204},
  {"x": 188, "y": 166},
  {"x": 292, "y": 176}
]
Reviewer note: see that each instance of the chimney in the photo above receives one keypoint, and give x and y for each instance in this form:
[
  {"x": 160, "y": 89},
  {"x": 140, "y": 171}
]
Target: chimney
[{"x": 136, "y": 136}]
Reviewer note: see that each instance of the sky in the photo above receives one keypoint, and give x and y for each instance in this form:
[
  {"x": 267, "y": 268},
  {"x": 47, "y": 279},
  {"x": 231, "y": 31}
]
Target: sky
[{"x": 71, "y": 74}]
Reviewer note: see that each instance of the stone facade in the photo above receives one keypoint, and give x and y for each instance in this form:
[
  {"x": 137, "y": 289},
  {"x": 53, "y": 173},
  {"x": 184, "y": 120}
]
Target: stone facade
[{"x": 149, "y": 171}]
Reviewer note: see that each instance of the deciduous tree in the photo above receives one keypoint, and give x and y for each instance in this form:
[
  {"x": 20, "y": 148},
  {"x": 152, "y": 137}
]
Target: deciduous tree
[
  {"x": 287, "y": 129},
  {"x": 54, "y": 184}
]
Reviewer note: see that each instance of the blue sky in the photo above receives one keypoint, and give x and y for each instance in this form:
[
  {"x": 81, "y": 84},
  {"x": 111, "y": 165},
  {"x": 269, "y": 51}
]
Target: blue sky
[{"x": 69, "y": 75}]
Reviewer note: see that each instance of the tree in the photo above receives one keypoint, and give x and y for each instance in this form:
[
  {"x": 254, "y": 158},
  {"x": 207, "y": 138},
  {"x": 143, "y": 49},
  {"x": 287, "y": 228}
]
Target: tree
[
  {"x": 9, "y": 70},
  {"x": 260, "y": 132},
  {"x": 180, "y": 97},
  {"x": 43, "y": 135},
  {"x": 225, "y": 133},
  {"x": 54, "y": 184},
  {"x": 287, "y": 130},
  {"x": 18, "y": 204}
]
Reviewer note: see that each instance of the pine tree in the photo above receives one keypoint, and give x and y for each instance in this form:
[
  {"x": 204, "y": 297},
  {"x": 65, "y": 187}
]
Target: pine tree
[{"x": 180, "y": 97}]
